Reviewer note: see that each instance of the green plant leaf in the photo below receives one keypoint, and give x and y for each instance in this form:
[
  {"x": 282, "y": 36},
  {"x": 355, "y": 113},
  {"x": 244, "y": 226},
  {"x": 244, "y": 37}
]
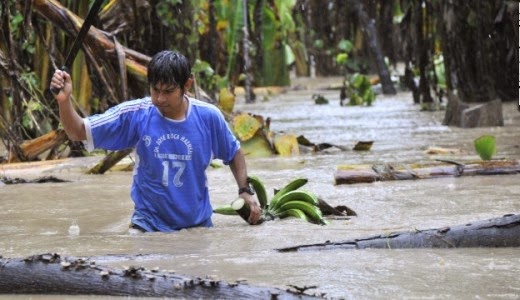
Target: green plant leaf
[
  {"x": 245, "y": 126},
  {"x": 485, "y": 146},
  {"x": 342, "y": 58},
  {"x": 345, "y": 45}
]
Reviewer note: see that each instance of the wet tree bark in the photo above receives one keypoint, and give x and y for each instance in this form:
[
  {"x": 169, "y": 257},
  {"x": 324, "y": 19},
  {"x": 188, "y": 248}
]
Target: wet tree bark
[
  {"x": 52, "y": 274},
  {"x": 250, "y": 98},
  {"x": 415, "y": 30},
  {"x": 465, "y": 115},
  {"x": 389, "y": 172},
  {"x": 498, "y": 232},
  {"x": 30, "y": 150},
  {"x": 372, "y": 41},
  {"x": 109, "y": 161},
  {"x": 479, "y": 47}
]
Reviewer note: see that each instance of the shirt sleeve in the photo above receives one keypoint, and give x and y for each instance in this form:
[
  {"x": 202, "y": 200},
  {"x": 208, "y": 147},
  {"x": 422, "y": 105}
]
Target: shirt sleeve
[
  {"x": 115, "y": 129},
  {"x": 225, "y": 144}
]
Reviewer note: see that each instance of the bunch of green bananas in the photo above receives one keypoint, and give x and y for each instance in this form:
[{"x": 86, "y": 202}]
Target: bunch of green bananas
[{"x": 290, "y": 201}]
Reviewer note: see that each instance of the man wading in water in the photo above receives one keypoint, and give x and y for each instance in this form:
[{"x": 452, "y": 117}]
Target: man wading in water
[{"x": 175, "y": 138}]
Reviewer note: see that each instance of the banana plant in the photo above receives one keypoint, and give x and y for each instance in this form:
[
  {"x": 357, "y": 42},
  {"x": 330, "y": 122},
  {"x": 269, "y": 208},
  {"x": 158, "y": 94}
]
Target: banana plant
[
  {"x": 276, "y": 25},
  {"x": 289, "y": 201}
]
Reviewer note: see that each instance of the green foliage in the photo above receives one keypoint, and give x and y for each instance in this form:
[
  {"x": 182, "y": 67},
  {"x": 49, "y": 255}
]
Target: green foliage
[
  {"x": 19, "y": 32},
  {"x": 234, "y": 34},
  {"x": 31, "y": 81},
  {"x": 357, "y": 86},
  {"x": 398, "y": 14},
  {"x": 277, "y": 26},
  {"x": 342, "y": 52},
  {"x": 440, "y": 73},
  {"x": 345, "y": 46},
  {"x": 33, "y": 117},
  {"x": 342, "y": 58},
  {"x": 285, "y": 7},
  {"x": 167, "y": 13},
  {"x": 206, "y": 76},
  {"x": 318, "y": 44},
  {"x": 359, "y": 90},
  {"x": 319, "y": 99},
  {"x": 16, "y": 23},
  {"x": 485, "y": 146}
]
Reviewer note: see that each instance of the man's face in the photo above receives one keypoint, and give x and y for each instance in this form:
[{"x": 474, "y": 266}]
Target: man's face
[{"x": 167, "y": 98}]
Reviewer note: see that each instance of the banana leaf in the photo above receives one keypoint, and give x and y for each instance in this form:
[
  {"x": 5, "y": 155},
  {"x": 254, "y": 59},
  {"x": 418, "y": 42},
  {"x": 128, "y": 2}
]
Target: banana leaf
[
  {"x": 274, "y": 70},
  {"x": 286, "y": 144},
  {"x": 234, "y": 35}
]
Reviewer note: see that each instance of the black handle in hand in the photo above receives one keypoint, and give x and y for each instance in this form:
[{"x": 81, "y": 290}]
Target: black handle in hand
[
  {"x": 94, "y": 9},
  {"x": 54, "y": 90}
]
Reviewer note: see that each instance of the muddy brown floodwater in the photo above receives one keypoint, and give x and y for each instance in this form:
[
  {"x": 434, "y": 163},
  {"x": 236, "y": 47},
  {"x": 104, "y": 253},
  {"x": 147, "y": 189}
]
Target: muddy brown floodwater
[{"x": 35, "y": 218}]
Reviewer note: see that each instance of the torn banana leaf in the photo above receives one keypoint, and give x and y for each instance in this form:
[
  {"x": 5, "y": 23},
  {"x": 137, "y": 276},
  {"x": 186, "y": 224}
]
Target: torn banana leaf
[
  {"x": 245, "y": 126},
  {"x": 257, "y": 146},
  {"x": 286, "y": 144}
]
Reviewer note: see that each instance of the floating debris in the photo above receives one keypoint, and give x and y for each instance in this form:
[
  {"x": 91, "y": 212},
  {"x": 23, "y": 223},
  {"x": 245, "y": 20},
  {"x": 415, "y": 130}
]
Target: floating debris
[
  {"x": 74, "y": 228},
  {"x": 104, "y": 273},
  {"x": 44, "y": 179}
]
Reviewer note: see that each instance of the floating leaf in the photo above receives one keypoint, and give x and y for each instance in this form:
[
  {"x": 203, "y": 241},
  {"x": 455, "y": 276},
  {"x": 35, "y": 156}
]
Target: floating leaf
[
  {"x": 286, "y": 145},
  {"x": 257, "y": 146},
  {"x": 319, "y": 99},
  {"x": 357, "y": 80},
  {"x": 245, "y": 126},
  {"x": 363, "y": 146},
  {"x": 485, "y": 146}
]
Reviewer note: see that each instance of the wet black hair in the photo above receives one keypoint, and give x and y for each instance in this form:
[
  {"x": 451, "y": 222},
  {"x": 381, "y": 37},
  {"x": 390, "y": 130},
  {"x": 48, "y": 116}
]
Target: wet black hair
[{"x": 169, "y": 67}]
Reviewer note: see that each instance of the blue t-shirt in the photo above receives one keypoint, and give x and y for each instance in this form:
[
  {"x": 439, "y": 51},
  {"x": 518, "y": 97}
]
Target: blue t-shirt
[{"x": 169, "y": 188}]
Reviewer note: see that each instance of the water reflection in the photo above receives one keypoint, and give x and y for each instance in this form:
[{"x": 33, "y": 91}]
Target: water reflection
[{"x": 36, "y": 218}]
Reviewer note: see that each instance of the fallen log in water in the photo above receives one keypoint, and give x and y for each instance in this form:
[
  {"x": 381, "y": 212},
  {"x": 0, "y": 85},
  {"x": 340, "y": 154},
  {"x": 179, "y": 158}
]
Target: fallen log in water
[
  {"x": 443, "y": 168},
  {"x": 29, "y": 150},
  {"x": 109, "y": 161},
  {"x": 498, "y": 232},
  {"x": 52, "y": 274}
]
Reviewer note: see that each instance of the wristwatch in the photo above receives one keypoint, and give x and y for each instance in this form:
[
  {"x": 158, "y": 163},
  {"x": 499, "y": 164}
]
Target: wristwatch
[{"x": 246, "y": 189}]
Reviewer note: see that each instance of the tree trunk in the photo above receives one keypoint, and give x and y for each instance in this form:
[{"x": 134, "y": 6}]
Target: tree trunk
[
  {"x": 52, "y": 274},
  {"x": 416, "y": 35},
  {"x": 109, "y": 161},
  {"x": 388, "y": 172},
  {"x": 464, "y": 115},
  {"x": 247, "y": 61},
  {"x": 481, "y": 57},
  {"x": 498, "y": 232},
  {"x": 480, "y": 54},
  {"x": 372, "y": 41},
  {"x": 321, "y": 62},
  {"x": 31, "y": 149}
]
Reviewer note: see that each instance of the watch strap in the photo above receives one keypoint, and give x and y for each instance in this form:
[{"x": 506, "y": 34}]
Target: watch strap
[{"x": 246, "y": 189}]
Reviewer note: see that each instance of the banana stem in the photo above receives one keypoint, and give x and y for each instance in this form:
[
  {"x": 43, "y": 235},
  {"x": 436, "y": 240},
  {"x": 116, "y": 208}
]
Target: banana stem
[{"x": 243, "y": 210}]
